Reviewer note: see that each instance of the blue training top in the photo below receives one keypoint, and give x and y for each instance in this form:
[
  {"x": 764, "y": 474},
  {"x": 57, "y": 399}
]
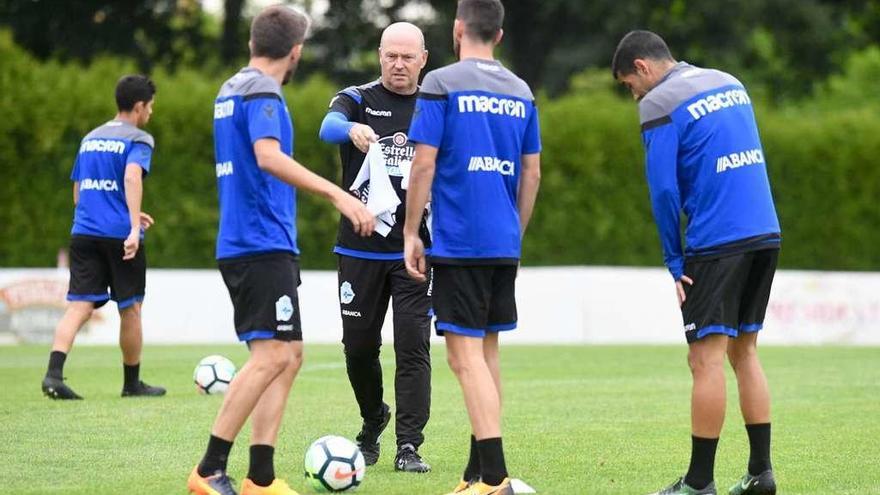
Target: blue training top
[
  {"x": 100, "y": 170},
  {"x": 257, "y": 210},
  {"x": 704, "y": 156},
  {"x": 482, "y": 118}
]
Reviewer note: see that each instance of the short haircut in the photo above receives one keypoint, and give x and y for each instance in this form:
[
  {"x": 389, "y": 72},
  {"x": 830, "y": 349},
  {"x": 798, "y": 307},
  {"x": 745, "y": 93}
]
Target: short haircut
[
  {"x": 276, "y": 30},
  {"x": 635, "y": 45},
  {"x": 482, "y": 18},
  {"x": 131, "y": 89}
]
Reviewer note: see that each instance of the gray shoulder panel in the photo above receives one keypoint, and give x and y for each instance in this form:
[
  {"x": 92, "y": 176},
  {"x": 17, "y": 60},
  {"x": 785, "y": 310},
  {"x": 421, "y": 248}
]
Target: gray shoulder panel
[
  {"x": 476, "y": 75},
  {"x": 247, "y": 82},
  {"x": 683, "y": 83},
  {"x": 121, "y": 130}
]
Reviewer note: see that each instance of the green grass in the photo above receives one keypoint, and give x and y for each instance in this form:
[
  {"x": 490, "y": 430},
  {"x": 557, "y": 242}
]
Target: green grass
[{"x": 577, "y": 420}]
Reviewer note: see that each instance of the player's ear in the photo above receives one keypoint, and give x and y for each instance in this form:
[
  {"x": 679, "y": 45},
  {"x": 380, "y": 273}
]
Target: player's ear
[
  {"x": 498, "y": 37},
  {"x": 296, "y": 52},
  {"x": 424, "y": 59},
  {"x": 641, "y": 66},
  {"x": 457, "y": 29}
]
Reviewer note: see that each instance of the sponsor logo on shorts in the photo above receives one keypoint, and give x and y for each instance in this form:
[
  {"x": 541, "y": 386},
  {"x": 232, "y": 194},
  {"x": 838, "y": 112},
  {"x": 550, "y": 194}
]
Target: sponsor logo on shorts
[
  {"x": 690, "y": 327},
  {"x": 284, "y": 328},
  {"x": 283, "y": 308},
  {"x": 346, "y": 293},
  {"x": 353, "y": 314}
]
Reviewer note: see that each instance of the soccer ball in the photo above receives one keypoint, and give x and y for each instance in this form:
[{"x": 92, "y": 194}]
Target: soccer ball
[
  {"x": 334, "y": 464},
  {"x": 213, "y": 375}
]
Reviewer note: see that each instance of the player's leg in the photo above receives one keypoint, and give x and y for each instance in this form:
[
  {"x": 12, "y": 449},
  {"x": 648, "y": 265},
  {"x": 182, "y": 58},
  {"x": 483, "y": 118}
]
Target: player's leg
[
  {"x": 89, "y": 279},
  {"x": 264, "y": 298},
  {"x": 127, "y": 288},
  {"x": 754, "y": 393},
  {"x": 265, "y": 423},
  {"x": 710, "y": 313},
  {"x": 412, "y": 377},
  {"x": 364, "y": 291}
]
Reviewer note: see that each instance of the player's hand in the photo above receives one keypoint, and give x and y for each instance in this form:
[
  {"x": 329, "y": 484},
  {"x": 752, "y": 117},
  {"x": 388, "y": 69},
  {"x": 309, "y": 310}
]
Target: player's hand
[
  {"x": 146, "y": 221},
  {"x": 361, "y": 136},
  {"x": 414, "y": 257},
  {"x": 679, "y": 288},
  {"x": 131, "y": 245},
  {"x": 356, "y": 212}
]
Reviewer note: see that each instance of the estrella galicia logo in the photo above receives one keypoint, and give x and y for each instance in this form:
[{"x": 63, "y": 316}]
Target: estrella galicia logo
[
  {"x": 283, "y": 308},
  {"x": 398, "y": 152},
  {"x": 346, "y": 293}
]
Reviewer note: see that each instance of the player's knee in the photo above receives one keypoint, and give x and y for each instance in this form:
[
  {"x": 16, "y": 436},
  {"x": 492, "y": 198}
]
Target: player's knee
[
  {"x": 460, "y": 365},
  {"x": 702, "y": 362},
  {"x": 133, "y": 311},
  {"x": 361, "y": 347},
  {"x": 741, "y": 354}
]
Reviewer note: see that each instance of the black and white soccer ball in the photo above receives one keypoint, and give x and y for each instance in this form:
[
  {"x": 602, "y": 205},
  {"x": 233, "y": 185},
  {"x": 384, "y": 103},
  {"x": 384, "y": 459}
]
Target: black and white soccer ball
[
  {"x": 214, "y": 374},
  {"x": 334, "y": 464}
]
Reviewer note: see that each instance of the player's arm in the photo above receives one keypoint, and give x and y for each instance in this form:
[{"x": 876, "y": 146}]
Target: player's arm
[
  {"x": 420, "y": 180},
  {"x": 661, "y": 164},
  {"x": 272, "y": 160},
  {"x": 75, "y": 192},
  {"x": 134, "y": 193},
  {"x": 528, "y": 188},
  {"x": 340, "y": 127}
]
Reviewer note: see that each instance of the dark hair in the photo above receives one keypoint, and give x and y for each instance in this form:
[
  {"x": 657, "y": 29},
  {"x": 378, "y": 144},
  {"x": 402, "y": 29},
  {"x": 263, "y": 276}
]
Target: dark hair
[
  {"x": 132, "y": 89},
  {"x": 482, "y": 18},
  {"x": 276, "y": 30},
  {"x": 638, "y": 44}
]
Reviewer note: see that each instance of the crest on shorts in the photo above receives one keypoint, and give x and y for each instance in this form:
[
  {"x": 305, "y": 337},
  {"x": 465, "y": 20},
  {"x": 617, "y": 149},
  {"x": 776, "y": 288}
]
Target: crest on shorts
[
  {"x": 283, "y": 308},
  {"x": 346, "y": 293}
]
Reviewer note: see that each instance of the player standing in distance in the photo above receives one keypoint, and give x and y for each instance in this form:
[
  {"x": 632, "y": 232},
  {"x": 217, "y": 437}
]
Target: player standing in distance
[
  {"x": 106, "y": 246},
  {"x": 371, "y": 269},
  {"x": 478, "y": 153},
  {"x": 704, "y": 156},
  {"x": 256, "y": 248}
]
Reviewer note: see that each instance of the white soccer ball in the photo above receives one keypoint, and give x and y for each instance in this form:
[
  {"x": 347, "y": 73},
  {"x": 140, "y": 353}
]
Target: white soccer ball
[
  {"x": 213, "y": 375},
  {"x": 334, "y": 464}
]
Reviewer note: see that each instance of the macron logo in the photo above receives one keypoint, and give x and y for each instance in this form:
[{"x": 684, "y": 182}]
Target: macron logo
[
  {"x": 490, "y": 164},
  {"x": 105, "y": 145},
  {"x": 491, "y": 104},
  {"x": 378, "y": 113},
  {"x": 224, "y": 109},
  {"x": 718, "y": 101},
  {"x": 98, "y": 185}
]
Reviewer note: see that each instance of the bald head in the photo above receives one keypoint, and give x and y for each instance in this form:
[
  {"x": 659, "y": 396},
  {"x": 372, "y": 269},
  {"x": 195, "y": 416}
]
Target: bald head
[
  {"x": 402, "y": 56},
  {"x": 403, "y": 33}
]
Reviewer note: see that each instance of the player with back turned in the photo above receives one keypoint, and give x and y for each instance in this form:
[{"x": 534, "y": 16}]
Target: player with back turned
[
  {"x": 257, "y": 250},
  {"x": 704, "y": 157},
  {"x": 478, "y": 154}
]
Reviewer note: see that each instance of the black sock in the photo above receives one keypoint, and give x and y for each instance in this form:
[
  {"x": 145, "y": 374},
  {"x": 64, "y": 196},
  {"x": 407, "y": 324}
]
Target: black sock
[
  {"x": 56, "y": 364},
  {"x": 759, "y": 445},
  {"x": 132, "y": 375},
  {"x": 262, "y": 469},
  {"x": 472, "y": 471},
  {"x": 215, "y": 457},
  {"x": 702, "y": 469},
  {"x": 493, "y": 470}
]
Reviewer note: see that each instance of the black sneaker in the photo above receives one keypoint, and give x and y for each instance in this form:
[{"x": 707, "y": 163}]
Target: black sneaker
[
  {"x": 368, "y": 438},
  {"x": 142, "y": 390},
  {"x": 409, "y": 460},
  {"x": 54, "y": 388},
  {"x": 682, "y": 488},
  {"x": 762, "y": 484}
]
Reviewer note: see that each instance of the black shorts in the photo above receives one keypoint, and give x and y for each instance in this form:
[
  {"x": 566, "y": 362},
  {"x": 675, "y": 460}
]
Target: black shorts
[
  {"x": 365, "y": 287},
  {"x": 263, "y": 289},
  {"x": 475, "y": 299},
  {"x": 729, "y": 294},
  {"x": 96, "y": 264}
]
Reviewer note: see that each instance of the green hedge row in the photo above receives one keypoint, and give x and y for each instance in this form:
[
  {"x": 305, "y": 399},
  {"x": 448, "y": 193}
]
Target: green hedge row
[{"x": 592, "y": 209}]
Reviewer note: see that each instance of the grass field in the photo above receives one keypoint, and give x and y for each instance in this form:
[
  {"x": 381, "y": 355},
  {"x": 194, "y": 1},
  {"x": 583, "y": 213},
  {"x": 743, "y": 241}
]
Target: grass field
[{"x": 578, "y": 420}]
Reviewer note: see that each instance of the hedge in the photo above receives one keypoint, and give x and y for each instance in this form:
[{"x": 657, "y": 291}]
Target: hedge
[{"x": 592, "y": 209}]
